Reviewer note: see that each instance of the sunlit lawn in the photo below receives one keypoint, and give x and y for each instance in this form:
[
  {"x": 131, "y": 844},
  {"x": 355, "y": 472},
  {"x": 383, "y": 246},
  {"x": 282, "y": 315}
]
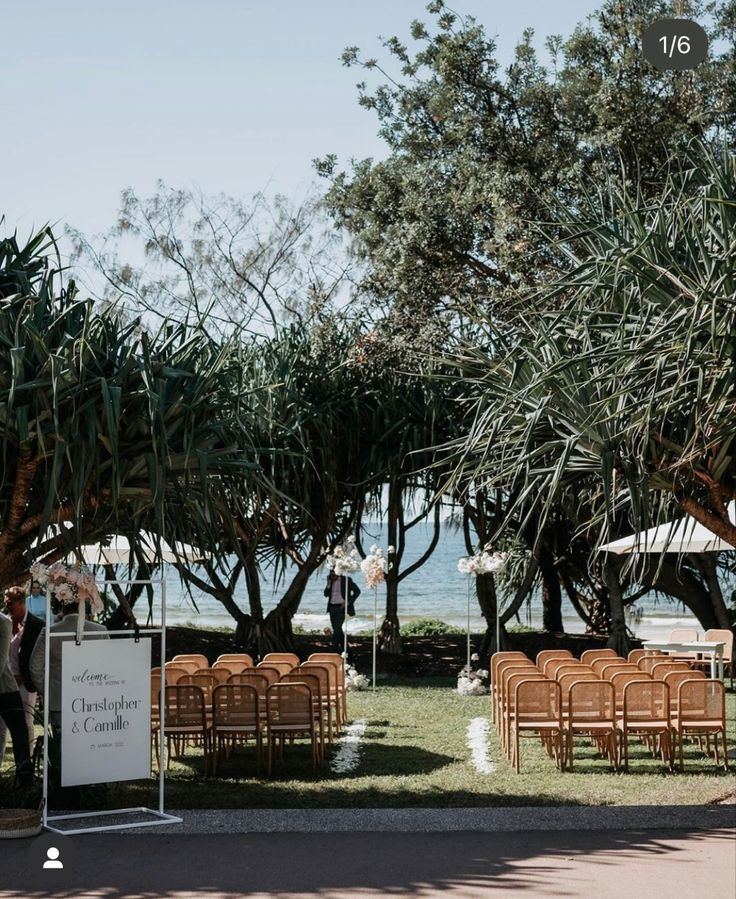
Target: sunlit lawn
[{"x": 414, "y": 753}]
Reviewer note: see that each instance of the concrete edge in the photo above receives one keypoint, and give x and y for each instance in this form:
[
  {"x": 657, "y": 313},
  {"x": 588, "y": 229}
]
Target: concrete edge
[{"x": 429, "y": 820}]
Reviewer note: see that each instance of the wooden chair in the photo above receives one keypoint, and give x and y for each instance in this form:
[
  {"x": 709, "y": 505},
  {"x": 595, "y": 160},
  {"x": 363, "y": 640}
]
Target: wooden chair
[
  {"x": 636, "y": 654},
  {"x": 673, "y": 679},
  {"x": 312, "y": 680},
  {"x": 661, "y": 668},
  {"x": 281, "y": 667},
  {"x": 201, "y": 660},
  {"x": 552, "y": 666},
  {"x": 155, "y": 709},
  {"x": 322, "y": 673},
  {"x": 620, "y": 680},
  {"x": 646, "y": 663},
  {"x": 272, "y": 672},
  {"x": 646, "y": 713},
  {"x": 220, "y": 674},
  {"x": 329, "y": 672},
  {"x": 497, "y": 659},
  {"x": 232, "y": 665},
  {"x": 551, "y": 654},
  {"x": 517, "y": 660},
  {"x": 289, "y": 713},
  {"x": 174, "y": 672},
  {"x": 606, "y": 671},
  {"x": 503, "y": 672},
  {"x": 592, "y": 712},
  {"x": 186, "y": 716},
  {"x": 701, "y": 710},
  {"x": 260, "y": 681},
  {"x": 206, "y": 681},
  {"x": 576, "y": 668},
  {"x": 590, "y": 655},
  {"x": 290, "y": 657},
  {"x": 537, "y": 709},
  {"x": 718, "y": 635},
  {"x": 508, "y": 705},
  {"x": 235, "y": 713},
  {"x": 337, "y": 660},
  {"x": 566, "y": 681},
  {"x": 684, "y": 635},
  {"x": 236, "y": 657}
]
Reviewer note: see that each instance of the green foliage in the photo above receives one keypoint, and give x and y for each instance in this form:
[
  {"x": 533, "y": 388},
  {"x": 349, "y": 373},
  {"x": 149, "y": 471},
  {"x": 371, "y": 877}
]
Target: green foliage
[
  {"x": 475, "y": 151},
  {"x": 106, "y": 427},
  {"x": 428, "y": 627}
]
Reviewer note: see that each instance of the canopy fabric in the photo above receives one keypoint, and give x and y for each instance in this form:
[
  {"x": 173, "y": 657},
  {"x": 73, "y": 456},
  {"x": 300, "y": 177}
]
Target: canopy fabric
[
  {"x": 118, "y": 551},
  {"x": 683, "y": 535}
]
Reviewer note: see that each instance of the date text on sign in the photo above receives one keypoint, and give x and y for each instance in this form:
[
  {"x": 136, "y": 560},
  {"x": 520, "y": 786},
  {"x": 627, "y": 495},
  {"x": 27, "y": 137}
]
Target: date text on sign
[{"x": 677, "y": 44}]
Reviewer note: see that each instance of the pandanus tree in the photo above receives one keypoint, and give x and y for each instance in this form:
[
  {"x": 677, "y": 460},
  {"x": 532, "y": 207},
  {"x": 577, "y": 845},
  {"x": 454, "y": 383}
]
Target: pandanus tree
[
  {"x": 105, "y": 427},
  {"x": 620, "y": 405},
  {"x": 307, "y": 403}
]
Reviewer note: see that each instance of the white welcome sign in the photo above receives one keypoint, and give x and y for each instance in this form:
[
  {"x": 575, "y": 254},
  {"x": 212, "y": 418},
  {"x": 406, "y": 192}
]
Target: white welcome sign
[{"x": 105, "y": 711}]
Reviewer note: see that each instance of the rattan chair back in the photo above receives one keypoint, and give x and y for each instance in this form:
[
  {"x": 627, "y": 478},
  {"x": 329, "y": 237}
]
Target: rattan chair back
[
  {"x": 205, "y": 681},
  {"x": 201, "y": 660},
  {"x": 236, "y": 657},
  {"x": 272, "y": 672},
  {"x": 590, "y": 655},
  {"x": 174, "y": 672},
  {"x": 551, "y": 654},
  {"x": 281, "y": 657},
  {"x": 661, "y": 668}
]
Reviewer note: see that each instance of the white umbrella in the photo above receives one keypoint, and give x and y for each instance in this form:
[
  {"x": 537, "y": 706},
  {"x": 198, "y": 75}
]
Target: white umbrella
[
  {"x": 683, "y": 535},
  {"x": 118, "y": 551}
]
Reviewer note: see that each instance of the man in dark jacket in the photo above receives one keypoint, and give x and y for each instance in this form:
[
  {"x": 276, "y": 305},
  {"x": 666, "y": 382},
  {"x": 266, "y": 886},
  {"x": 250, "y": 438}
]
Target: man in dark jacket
[
  {"x": 337, "y": 591},
  {"x": 25, "y": 631}
]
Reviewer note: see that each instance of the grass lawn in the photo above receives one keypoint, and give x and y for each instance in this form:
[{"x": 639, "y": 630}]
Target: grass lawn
[{"x": 414, "y": 753}]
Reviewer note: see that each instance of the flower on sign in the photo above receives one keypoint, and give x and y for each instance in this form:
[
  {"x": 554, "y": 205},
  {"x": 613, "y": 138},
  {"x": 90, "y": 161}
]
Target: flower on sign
[
  {"x": 483, "y": 562},
  {"x": 375, "y": 565},
  {"x": 344, "y": 559},
  {"x": 70, "y": 583}
]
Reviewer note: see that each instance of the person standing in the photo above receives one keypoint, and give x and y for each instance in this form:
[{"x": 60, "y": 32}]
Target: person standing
[
  {"x": 11, "y": 708},
  {"x": 25, "y": 631},
  {"x": 339, "y": 591},
  {"x": 36, "y": 603}
]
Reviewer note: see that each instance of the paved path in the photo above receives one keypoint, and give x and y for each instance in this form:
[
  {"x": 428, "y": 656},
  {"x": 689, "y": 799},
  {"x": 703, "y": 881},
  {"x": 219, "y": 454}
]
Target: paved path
[{"x": 604, "y": 864}]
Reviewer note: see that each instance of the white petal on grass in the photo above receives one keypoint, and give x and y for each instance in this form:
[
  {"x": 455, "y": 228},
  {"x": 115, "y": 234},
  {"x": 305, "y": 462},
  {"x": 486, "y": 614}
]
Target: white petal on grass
[
  {"x": 477, "y": 739},
  {"x": 348, "y": 755}
]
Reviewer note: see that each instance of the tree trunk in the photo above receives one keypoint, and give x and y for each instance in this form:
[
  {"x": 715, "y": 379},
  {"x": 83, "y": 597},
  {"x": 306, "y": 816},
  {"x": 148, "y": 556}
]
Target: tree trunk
[
  {"x": 389, "y": 636},
  {"x": 619, "y": 638},
  {"x": 551, "y": 593},
  {"x": 487, "y": 600}
]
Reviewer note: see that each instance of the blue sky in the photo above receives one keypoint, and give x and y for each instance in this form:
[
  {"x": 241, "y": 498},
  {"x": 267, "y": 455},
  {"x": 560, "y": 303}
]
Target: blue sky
[{"x": 228, "y": 96}]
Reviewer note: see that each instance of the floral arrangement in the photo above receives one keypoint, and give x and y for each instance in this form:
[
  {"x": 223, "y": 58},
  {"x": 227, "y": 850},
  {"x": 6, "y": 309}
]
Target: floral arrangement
[
  {"x": 344, "y": 559},
  {"x": 483, "y": 562},
  {"x": 70, "y": 583},
  {"x": 472, "y": 683},
  {"x": 375, "y": 565},
  {"x": 355, "y": 681}
]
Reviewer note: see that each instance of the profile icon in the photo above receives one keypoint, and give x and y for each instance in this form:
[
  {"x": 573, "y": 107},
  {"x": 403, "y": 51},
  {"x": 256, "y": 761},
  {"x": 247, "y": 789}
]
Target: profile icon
[{"x": 52, "y": 858}]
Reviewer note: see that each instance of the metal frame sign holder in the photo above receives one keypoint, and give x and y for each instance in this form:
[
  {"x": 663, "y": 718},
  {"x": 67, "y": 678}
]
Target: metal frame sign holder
[{"x": 159, "y": 815}]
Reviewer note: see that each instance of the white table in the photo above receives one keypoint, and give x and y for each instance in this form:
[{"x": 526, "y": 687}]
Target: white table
[{"x": 714, "y": 650}]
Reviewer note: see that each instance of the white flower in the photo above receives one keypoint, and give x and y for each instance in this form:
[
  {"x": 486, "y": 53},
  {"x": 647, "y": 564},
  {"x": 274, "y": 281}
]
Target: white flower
[{"x": 482, "y": 563}]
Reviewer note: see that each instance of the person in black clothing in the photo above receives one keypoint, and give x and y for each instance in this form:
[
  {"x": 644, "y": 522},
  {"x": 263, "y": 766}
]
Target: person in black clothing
[
  {"x": 337, "y": 591},
  {"x": 11, "y": 707}
]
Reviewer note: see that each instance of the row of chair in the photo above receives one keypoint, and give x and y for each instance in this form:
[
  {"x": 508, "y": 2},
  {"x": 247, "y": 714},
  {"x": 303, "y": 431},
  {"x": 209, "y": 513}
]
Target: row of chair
[
  {"x": 219, "y": 707},
  {"x": 606, "y": 698}
]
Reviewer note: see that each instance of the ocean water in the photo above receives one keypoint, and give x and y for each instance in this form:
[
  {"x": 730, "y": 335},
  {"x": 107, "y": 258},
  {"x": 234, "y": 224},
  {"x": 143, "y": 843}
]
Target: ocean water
[{"x": 436, "y": 590}]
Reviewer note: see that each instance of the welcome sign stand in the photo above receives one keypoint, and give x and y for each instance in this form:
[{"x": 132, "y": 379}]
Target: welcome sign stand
[{"x": 106, "y": 717}]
